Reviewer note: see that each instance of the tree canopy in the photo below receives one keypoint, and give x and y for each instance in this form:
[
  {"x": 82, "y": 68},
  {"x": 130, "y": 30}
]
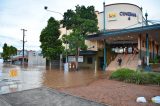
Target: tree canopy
[
  {"x": 75, "y": 41},
  {"x": 8, "y": 51},
  {"x": 81, "y": 21},
  {"x": 50, "y": 43}
]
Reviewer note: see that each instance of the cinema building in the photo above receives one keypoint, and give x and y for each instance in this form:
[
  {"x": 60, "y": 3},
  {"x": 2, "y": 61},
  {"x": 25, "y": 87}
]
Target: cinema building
[{"x": 125, "y": 33}]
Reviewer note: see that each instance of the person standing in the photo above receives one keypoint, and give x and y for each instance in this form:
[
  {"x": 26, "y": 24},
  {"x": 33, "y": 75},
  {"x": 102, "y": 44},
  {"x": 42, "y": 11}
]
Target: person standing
[{"x": 119, "y": 61}]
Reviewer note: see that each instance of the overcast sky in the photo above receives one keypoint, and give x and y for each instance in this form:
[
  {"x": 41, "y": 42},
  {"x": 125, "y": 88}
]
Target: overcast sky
[{"x": 30, "y": 15}]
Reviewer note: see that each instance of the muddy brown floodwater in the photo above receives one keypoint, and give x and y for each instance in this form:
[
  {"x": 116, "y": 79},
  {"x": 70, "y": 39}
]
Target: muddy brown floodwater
[
  {"x": 61, "y": 79},
  {"x": 89, "y": 84},
  {"x": 37, "y": 76}
]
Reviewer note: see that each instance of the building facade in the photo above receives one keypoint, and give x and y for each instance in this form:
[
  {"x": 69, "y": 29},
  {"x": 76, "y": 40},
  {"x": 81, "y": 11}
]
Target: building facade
[
  {"x": 116, "y": 18},
  {"x": 125, "y": 33},
  {"x": 31, "y": 58}
]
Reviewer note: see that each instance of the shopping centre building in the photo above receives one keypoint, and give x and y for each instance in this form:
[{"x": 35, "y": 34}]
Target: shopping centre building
[{"x": 124, "y": 33}]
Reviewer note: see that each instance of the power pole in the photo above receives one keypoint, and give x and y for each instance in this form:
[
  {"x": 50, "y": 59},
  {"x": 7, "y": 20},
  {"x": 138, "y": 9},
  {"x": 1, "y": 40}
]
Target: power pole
[{"x": 23, "y": 45}]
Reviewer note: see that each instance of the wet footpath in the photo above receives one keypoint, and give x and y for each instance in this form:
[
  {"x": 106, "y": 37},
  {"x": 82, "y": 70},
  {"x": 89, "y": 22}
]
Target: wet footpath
[{"x": 43, "y": 97}]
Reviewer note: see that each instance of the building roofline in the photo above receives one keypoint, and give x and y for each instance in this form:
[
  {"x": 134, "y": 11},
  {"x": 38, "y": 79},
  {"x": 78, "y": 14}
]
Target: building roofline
[
  {"x": 124, "y": 3},
  {"x": 100, "y": 12},
  {"x": 103, "y": 35}
]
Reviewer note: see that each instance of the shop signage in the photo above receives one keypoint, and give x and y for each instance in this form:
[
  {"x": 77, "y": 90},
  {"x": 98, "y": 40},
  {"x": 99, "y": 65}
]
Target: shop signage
[
  {"x": 112, "y": 16},
  {"x": 73, "y": 59},
  {"x": 128, "y": 14}
]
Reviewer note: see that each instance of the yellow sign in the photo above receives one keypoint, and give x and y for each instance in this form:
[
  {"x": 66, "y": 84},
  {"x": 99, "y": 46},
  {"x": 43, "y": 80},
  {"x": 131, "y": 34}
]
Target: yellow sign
[
  {"x": 13, "y": 73},
  {"x": 112, "y": 15}
]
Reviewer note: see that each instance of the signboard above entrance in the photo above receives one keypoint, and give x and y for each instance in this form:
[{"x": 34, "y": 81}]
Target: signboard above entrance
[
  {"x": 73, "y": 59},
  {"x": 127, "y": 14},
  {"x": 112, "y": 16}
]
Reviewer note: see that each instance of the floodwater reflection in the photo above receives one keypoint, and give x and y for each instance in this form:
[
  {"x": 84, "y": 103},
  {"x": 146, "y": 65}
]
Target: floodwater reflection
[{"x": 37, "y": 76}]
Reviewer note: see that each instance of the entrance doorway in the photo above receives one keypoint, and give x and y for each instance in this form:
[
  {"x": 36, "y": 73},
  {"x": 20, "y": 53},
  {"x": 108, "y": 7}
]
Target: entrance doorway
[{"x": 101, "y": 62}]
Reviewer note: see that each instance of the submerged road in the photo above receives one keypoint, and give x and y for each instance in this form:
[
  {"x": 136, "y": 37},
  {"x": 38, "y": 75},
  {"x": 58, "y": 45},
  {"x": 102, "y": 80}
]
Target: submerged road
[{"x": 37, "y": 76}]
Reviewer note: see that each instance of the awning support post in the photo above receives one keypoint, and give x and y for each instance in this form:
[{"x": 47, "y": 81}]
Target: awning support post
[
  {"x": 104, "y": 28},
  {"x": 147, "y": 49}
]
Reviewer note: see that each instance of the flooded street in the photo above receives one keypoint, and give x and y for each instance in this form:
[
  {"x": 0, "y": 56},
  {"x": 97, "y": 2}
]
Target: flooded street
[{"x": 33, "y": 77}]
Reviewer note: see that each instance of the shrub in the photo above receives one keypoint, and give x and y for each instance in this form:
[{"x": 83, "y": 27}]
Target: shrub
[
  {"x": 154, "y": 78},
  {"x": 121, "y": 74},
  {"x": 157, "y": 80},
  {"x": 136, "y": 77}
]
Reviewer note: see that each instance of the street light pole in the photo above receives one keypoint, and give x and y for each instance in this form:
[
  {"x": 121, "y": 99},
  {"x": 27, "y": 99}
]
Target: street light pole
[
  {"x": 46, "y": 8},
  {"x": 104, "y": 28}
]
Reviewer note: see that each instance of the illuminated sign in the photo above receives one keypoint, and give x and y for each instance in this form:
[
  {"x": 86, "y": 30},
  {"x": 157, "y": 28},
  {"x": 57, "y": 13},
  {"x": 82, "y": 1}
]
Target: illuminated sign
[
  {"x": 127, "y": 14},
  {"x": 112, "y": 16}
]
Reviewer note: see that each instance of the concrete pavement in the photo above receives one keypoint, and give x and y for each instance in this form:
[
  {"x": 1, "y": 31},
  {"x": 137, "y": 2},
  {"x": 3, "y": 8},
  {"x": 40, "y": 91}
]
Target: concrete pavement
[{"x": 43, "y": 97}]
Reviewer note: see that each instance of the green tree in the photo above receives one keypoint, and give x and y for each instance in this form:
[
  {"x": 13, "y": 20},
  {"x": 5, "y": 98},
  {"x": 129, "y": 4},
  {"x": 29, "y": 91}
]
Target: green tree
[
  {"x": 13, "y": 50},
  {"x": 82, "y": 21},
  {"x": 50, "y": 43},
  {"x": 8, "y": 51},
  {"x": 5, "y": 53}
]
